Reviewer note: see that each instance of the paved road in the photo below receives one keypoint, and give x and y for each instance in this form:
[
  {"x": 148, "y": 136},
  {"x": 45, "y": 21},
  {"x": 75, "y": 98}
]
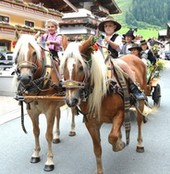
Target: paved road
[{"x": 74, "y": 155}]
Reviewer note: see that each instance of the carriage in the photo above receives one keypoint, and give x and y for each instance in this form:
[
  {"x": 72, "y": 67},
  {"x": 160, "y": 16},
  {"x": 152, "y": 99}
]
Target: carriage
[
  {"x": 153, "y": 86},
  {"x": 85, "y": 83}
]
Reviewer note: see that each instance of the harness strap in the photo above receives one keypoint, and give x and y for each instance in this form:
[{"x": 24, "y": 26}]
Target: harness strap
[
  {"x": 56, "y": 71},
  {"x": 85, "y": 119},
  {"x": 47, "y": 66},
  {"x": 22, "y": 117},
  {"x": 49, "y": 62},
  {"x": 126, "y": 98}
]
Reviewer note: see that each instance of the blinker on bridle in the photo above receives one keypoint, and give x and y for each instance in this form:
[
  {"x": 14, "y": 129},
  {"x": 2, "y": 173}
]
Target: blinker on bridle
[
  {"x": 27, "y": 64},
  {"x": 72, "y": 84}
]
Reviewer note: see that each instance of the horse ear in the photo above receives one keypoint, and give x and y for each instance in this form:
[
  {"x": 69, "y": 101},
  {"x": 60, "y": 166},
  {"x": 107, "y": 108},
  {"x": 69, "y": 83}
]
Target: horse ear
[
  {"x": 37, "y": 35},
  {"x": 17, "y": 34},
  {"x": 64, "y": 41},
  {"x": 85, "y": 45}
]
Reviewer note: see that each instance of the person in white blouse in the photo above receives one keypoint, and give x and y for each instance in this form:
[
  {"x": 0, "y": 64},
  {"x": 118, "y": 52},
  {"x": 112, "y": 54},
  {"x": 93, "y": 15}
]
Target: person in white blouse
[
  {"x": 113, "y": 41},
  {"x": 114, "y": 46}
]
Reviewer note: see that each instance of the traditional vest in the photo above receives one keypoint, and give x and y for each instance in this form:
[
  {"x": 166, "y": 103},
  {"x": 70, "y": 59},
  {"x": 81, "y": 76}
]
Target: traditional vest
[
  {"x": 125, "y": 48},
  {"x": 114, "y": 53}
]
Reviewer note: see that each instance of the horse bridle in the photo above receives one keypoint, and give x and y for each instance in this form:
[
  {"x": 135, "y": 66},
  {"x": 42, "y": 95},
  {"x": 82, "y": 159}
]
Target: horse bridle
[
  {"x": 84, "y": 86},
  {"x": 27, "y": 64},
  {"x": 34, "y": 85}
]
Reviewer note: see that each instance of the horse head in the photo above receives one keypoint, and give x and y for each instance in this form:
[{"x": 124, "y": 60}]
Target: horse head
[
  {"x": 84, "y": 71},
  {"x": 28, "y": 60},
  {"x": 75, "y": 73}
]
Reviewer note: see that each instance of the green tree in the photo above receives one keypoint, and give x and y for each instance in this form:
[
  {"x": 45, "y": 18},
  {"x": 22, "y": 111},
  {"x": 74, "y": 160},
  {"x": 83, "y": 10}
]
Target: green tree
[{"x": 154, "y": 12}]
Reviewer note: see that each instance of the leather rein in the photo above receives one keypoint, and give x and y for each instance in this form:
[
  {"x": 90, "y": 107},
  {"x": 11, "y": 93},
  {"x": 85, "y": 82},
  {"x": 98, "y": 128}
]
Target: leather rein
[
  {"x": 39, "y": 84},
  {"x": 85, "y": 87},
  {"x": 36, "y": 85}
]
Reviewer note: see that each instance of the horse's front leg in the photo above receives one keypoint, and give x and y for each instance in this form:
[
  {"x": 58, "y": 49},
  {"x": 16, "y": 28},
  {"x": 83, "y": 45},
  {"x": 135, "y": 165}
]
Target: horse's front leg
[
  {"x": 49, "y": 165},
  {"x": 56, "y": 139},
  {"x": 35, "y": 158},
  {"x": 94, "y": 130},
  {"x": 73, "y": 125},
  {"x": 140, "y": 146},
  {"x": 115, "y": 136}
]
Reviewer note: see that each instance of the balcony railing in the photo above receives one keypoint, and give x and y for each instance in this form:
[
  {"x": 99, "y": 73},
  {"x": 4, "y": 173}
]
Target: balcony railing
[
  {"x": 7, "y": 27},
  {"x": 29, "y": 7}
]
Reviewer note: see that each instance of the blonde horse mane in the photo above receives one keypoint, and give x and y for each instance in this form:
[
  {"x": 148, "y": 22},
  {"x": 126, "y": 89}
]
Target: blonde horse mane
[
  {"x": 98, "y": 80},
  {"x": 21, "y": 50},
  {"x": 22, "y": 46},
  {"x": 72, "y": 51},
  {"x": 98, "y": 75}
]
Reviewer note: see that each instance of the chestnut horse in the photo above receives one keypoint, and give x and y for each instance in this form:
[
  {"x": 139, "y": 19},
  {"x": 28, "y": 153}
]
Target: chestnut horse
[
  {"x": 86, "y": 83},
  {"x": 37, "y": 74}
]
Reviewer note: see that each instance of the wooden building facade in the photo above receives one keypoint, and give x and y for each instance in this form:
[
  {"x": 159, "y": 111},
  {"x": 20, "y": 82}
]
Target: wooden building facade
[{"x": 29, "y": 16}]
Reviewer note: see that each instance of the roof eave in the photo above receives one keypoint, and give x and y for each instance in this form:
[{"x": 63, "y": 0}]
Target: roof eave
[{"x": 71, "y": 5}]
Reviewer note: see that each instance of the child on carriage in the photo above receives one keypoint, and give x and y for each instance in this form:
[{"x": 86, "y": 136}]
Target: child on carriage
[
  {"x": 51, "y": 38},
  {"x": 114, "y": 44}
]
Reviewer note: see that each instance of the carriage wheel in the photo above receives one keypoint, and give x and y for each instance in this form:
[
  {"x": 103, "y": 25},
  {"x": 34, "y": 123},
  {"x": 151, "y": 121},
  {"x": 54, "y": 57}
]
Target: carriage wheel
[{"x": 156, "y": 95}]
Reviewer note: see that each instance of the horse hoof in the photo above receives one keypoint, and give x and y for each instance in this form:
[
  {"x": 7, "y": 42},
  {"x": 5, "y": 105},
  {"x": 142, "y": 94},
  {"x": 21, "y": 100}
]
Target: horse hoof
[
  {"x": 35, "y": 159},
  {"x": 99, "y": 172},
  {"x": 140, "y": 149},
  {"x": 127, "y": 142},
  {"x": 56, "y": 141},
  {"x": 49, "y": 168},
  {"x": 118, "y": 147},
  {"x": 145, "y": 120},
  {"x": 71, "y": 134}
]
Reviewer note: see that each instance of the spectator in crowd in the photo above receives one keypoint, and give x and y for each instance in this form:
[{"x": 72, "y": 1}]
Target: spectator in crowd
[
  {"x": 138, "y": 38},
  {"x": 136, "y": 50},
  {"x": 147, "y": 53},
  {"x": 129, "y": 37}
]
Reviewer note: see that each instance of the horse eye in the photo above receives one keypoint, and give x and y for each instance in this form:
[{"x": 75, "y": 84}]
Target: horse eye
[
  {"x": 16, "y": 58},
  {"x": 81, "y": 68},
  {"x": 34, "y": 54}
]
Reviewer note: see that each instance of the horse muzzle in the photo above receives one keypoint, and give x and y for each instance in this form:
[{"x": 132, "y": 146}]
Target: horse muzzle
[
  {"x": 25, "y": 79},
  {"x": 73, "y": 102}
]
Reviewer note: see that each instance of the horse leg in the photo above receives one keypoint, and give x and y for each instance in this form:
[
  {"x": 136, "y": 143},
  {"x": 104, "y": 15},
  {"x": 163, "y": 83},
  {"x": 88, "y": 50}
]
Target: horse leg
[
  {"x": 115, "y": 136},
  {"x": 49, "y": 165},
  {"x": 56, "y": 139},
  {"x": 140, "y": 146},
  {"x": 94, "y": 130},
  {"x": 35, "y": 158},
  {"x": 73, "y": 125}
]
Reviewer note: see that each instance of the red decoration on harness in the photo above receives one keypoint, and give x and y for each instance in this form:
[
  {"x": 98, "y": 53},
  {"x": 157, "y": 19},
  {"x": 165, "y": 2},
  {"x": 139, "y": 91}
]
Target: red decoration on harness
[
  {"x": 95, "y": 47},
  {"x": 14, "y": 43}
]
